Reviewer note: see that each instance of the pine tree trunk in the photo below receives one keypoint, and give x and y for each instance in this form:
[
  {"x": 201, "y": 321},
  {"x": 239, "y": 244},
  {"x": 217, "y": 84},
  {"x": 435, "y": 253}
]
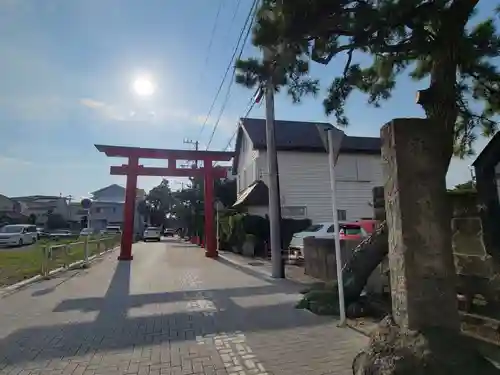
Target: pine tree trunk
[{"x": 366, "y": 257}]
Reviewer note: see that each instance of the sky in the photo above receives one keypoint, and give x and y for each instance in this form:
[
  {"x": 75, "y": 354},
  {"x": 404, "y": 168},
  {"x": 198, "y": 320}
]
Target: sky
[{"x": 66, "y": 76}]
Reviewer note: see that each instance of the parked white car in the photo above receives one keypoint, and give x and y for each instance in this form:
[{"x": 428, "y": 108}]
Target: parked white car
[
  {"x": 152, "y": 233},
  {"x": 112, "y": 230},
  {"x": 315, "y": 230},
  {"x": 86, "y": 232},
  {"x": 18, "y": 235},
  {"x": 326, "y": 230}
]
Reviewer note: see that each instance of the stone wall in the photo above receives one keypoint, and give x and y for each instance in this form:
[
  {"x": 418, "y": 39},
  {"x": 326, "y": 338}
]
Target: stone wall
[
  {"x": 471, "y": 257},
  {"x": 478, "y": 272},
  {"x": 320, "y": 261}
]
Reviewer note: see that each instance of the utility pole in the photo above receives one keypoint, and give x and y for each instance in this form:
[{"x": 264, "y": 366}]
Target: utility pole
[
  {"x": 195, "y": 185},
  {"x": 196, "y": 147},
  {"x": 272, "y": 166},
  {"x": 70, "y": 198}
]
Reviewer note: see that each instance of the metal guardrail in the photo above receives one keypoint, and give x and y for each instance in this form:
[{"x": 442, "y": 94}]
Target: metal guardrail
[{"x": 74, "y": 254}]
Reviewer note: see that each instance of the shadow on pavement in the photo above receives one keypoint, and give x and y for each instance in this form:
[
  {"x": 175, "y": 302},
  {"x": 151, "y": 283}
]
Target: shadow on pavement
[{"x": 227, "y": 310}]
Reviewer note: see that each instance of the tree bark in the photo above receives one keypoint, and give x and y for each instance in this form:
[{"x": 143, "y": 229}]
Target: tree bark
[{"x": 366, "y": 257}]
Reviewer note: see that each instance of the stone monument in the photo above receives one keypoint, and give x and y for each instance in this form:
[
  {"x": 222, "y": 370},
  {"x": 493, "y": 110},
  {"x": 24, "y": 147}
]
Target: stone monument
[
  {"x": 422, "y": 336},
  {"x": 420, "y": 251}
]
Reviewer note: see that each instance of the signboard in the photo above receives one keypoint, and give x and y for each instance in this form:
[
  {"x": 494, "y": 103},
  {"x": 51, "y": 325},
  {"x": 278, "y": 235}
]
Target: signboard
[
  {"x": 337, "y": 136},
  {"x": 86, "y": 203}
]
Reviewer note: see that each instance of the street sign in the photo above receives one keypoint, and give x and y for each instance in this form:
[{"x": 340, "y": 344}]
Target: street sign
[
  {"x": 86, "y": 203},
  {"x": 337, "y": 136}
]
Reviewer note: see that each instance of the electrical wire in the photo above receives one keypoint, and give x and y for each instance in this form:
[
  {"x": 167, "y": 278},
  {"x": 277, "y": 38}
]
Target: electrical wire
[
  {"x": 212, "y": 35},
  {"x": 250, "y": 106},
  {"x": 249, "y": 16},
  {"x": 234, "y": 15},
  {"x": 228, "y": 92}
]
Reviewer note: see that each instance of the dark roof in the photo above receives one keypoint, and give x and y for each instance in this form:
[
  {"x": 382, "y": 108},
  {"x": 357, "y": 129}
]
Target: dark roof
[
  {"x": 299, "y": 136},
  {"x": 490, "y": 155},
  {"x": 112, "y": 186},
  {"x": 257, "y": 194},
  {"x": 35, "y": 197},
  {"x": 116, "y": 186}
]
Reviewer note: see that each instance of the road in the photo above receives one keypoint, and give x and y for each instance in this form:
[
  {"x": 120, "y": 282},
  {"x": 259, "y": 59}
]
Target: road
[{"x": 169, "y": 311}]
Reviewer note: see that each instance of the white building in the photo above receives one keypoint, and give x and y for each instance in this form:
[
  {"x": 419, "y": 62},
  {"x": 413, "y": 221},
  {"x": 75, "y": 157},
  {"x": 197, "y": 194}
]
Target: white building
[
  {"x": 42, "y": 205},
  {"x": 11, "y": 211},
  {"x": 107, "y": 208},
  {"x": 304, "y": 176},
  {"x": 7, "y": 204}
]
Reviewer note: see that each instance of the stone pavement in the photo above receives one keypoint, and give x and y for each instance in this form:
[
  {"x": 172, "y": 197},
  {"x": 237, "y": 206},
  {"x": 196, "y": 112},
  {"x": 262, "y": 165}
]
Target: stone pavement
[{"x": 169, "y": 311}]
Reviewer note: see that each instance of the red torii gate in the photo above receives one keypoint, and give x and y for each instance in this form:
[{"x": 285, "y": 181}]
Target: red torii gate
[{"x": 133, "y": 169}]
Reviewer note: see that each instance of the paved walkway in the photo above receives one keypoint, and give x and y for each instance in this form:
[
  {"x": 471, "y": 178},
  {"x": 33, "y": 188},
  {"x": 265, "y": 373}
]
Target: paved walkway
[{"x": 169, "y": 311}]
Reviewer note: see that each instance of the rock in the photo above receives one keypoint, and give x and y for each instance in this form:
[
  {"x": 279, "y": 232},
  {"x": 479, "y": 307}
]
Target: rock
[{"x": 434, "y": 351}]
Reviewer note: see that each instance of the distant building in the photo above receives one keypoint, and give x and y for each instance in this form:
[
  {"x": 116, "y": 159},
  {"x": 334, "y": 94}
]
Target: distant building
[
  {"x": 107, "y": 208},
  {"x": 42, "y": 205},
  {"x": 7, "y": 204},
  {"x": 11, "y": 211}
]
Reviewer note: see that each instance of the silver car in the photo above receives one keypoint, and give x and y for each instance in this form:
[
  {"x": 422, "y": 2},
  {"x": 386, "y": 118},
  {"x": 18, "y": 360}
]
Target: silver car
[{"x": 152, "y": 233}]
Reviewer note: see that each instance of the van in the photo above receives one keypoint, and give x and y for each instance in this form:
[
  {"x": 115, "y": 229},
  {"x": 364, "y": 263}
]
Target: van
[
  {"x": 113, "y": 229},
  {"x": 18, "y": 235}
]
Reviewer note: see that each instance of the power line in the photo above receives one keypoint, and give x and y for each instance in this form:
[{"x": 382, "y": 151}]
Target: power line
[
  {"x": 228, "y": 93},
  {"x": 250, "y": 106},
  {"x": 214, "y": 28},
  {"x": 249, "y": 16},
  {"x": 234, "y": 15}
]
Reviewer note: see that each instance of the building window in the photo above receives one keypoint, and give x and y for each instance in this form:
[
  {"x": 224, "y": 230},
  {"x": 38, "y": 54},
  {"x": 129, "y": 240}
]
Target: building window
[
  {"x": 293, "y": 211},
  {"x": 342, "y": 215},
  {"x": 98, "y": 210}
]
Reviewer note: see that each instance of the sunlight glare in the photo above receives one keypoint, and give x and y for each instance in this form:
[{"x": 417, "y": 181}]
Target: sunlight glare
[{"x": 143, "y": 86}]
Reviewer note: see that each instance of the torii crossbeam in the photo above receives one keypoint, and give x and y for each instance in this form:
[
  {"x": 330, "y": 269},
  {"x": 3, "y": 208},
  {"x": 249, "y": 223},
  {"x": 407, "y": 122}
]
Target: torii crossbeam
[{"x": 133, "y": 169}]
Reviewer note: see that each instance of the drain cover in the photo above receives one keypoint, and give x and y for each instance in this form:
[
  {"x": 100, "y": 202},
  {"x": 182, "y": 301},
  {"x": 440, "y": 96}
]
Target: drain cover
[{"x": 255, "y": 263}]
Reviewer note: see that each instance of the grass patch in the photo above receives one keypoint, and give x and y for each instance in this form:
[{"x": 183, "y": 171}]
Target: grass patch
[
  {"x": 321, "y": 299},
  {"x": 18, "y": 264}
]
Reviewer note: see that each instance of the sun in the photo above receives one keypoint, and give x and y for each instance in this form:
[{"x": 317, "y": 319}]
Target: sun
[{"x": 143, "y": 86}]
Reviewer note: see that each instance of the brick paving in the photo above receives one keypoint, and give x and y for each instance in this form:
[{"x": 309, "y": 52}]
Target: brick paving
[{"x": 169, "y": 311}]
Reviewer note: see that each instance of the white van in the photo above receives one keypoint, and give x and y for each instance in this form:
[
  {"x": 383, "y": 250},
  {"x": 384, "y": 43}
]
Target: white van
[{"x": 18, "y": 235}]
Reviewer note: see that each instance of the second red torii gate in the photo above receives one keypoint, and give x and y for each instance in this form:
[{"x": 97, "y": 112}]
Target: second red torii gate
[{"x": 133, "y": 169}]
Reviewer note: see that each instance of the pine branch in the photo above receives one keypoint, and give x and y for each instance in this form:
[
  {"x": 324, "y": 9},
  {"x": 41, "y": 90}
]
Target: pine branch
[{"x": 429, "y": 35}]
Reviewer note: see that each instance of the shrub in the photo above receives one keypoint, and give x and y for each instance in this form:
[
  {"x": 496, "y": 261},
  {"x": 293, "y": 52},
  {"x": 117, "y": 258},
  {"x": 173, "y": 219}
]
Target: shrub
[
  {"x": 291, "y": 226},
  {"x": 235, "y": 227}
]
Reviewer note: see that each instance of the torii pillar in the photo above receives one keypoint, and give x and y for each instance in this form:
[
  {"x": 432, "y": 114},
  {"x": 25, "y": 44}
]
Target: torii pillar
[{"x": 133, "y": 169}]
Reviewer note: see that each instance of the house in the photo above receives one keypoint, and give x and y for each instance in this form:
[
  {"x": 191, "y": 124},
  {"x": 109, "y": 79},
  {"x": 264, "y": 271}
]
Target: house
[
  {"x": 7, "y": 204},
  {"x": 487, "y": 182},
  {"x": 10, "y": 211},
  {"x": 304, "y": 176},
  {"x": 40, "y": 206},
  {"x": 107, "y": 208},
  {"x": 488, "y": 163}
]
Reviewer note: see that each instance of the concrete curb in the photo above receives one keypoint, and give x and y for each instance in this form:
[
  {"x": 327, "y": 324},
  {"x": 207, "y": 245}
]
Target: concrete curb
[
  {"x": 244, "y": 266},
  {"x": 268, "y": 277},
  {"x": 11, "y": 289},
  {"x": 265, "y": 275}
]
